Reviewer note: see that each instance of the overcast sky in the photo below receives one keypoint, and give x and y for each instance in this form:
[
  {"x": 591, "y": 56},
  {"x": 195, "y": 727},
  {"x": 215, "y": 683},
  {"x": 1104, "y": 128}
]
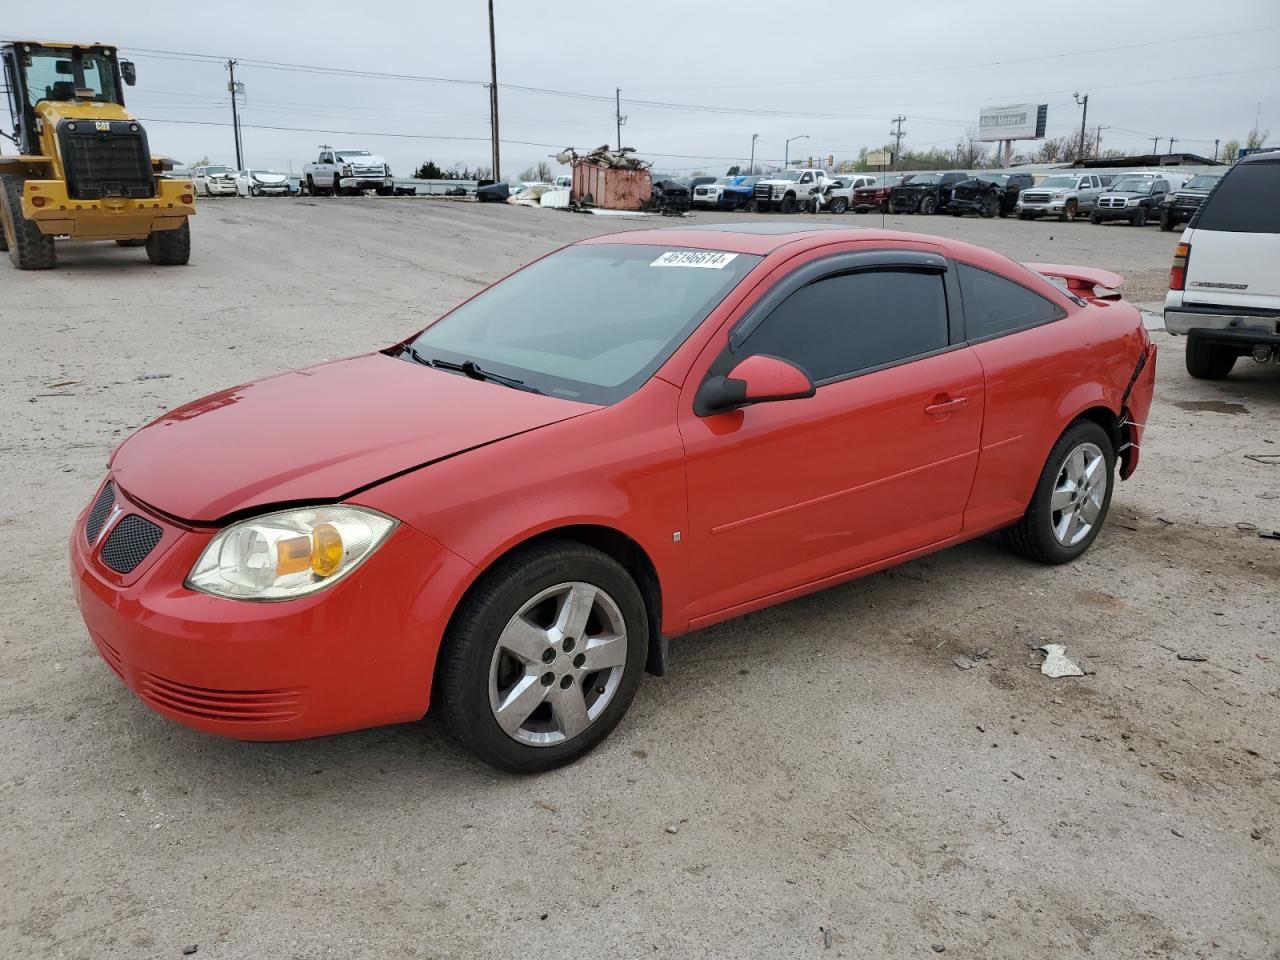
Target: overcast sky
[{"x": 851, "y": 67}]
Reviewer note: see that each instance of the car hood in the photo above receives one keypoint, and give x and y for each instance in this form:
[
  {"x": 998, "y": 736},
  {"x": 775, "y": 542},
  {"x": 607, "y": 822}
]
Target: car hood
[
  {"x": 1128, "y": 195},
  {"x": 270, "y": 178},
  {"x": 319, "y": 434}
]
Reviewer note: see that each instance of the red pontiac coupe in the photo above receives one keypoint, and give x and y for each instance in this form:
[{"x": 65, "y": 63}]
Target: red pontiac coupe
[{"x": 507, "y": 514}]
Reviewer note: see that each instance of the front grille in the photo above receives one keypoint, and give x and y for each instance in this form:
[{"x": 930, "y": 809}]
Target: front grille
[
  {"x": 1030, "y": 196},
  {"x": 115, "y": 162},
  {"x": 762, "y": 191},
  {"x": 129, "y": 543},
  {"x": 109, "y": 654},
  {"x": 242, "y": 706},
  {"x": 1112, "y": 203},
  {"x": 1188, "y": 199},
  {"x": 98, "y": 514}
]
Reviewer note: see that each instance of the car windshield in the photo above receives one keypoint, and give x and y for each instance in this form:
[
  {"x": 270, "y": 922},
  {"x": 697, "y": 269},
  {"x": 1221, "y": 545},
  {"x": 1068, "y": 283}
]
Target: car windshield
[
  {"x": 214, "y": 171},
  {"x": 1053, "y": 183},
  {"x": 1131, "y": 185},
  {"x": 352, "y": 154},
  {"x": 591, "y": 322},
  {"x": 265, "y": 173},
  {"x": 788, "y": 175},
  {"x": 725, "y": 181},
  {"x": 1204, "y": 181},
  {"x": 926, "y": 178}
]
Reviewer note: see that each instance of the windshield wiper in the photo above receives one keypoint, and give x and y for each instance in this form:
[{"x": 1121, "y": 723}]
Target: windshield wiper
[{"x": 469, "y": 368}]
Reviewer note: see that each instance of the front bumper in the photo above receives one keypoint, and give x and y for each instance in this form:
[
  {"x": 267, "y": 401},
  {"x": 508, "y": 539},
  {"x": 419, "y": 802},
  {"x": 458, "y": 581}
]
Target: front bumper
[
  {"x": 366, "y": 183},
  {"x": 358, "y": 654},
  {"x": 1117, "y": 213},
  {"x": 1223, "y": 324},
  {"x": 112, "y": 218},
  {"x": 1051, "y": 208},
  {"x": 964, "y": 205},
  {"x": 220, "y": 188}
]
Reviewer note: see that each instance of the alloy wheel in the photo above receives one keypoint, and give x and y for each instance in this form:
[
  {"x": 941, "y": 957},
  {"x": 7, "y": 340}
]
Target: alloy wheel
[
  {"x": 1079, "y": 492},
  {"x": 557, "y": 664}
]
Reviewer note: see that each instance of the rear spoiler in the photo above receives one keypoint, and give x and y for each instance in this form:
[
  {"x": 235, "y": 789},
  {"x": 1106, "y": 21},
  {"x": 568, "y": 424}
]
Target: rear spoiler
[{"x": 1082, "y": 281}]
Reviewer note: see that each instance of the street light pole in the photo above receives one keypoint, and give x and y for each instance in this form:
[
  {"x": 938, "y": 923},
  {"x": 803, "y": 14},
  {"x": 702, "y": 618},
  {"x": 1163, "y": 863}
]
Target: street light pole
[
  {"x": 751, "y": 169},
  {"x": 1084, "y": 117},
  {"x": 493, "y": 95},
  {"x": 786, "y": 149}
]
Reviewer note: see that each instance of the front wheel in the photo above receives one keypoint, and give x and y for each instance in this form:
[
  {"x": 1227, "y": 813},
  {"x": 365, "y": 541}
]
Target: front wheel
[
  {"x": 1070, "y": 210},
  {"x": 1140, "y": 217},
  {"x": 1096, "y": 220},
  {"x": 1071, "y": 499},
  {"x": 990, "y": 207},
  {"x": 839, "y": 205},
  {"x": 29, "y": 249},
  {"x": 543, "y": 657},
  {"x": 751, "y": 207},
  {"x": 1166, "y": 221},
  {"x": 789, "y": 204},
  {"x": 928, "y": 205}
]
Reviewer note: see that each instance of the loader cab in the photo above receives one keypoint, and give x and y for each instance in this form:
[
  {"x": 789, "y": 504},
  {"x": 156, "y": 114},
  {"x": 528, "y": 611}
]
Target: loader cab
[{"x": 59, "y": 73}]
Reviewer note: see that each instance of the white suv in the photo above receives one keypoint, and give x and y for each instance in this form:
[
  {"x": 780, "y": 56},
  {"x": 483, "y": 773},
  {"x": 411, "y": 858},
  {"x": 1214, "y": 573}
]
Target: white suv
[{"x": 1224, "y": 289}]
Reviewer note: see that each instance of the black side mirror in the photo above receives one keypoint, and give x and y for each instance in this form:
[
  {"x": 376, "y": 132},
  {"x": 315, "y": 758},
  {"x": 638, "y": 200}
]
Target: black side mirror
[{"x": 129, "y": 72}]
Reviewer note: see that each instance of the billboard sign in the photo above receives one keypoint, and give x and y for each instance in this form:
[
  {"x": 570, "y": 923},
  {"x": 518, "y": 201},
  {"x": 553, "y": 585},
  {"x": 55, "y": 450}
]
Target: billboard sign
[{"x": 1017, "y": 121}]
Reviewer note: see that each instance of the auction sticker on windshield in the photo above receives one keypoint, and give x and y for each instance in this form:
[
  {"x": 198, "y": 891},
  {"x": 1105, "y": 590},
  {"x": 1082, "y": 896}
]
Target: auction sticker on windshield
[{"x": 694, "y": 258}]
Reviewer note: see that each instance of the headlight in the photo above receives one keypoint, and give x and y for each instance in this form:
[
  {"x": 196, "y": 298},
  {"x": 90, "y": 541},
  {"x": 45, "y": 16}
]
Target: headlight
[
  {"x": 346, "y": 170},
  {"x": 1132, "y": 203},
  {"x": 289, "y": 554}
]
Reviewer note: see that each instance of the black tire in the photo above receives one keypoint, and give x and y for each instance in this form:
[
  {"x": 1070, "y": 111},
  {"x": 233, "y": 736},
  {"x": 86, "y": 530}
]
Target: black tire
[
  {"x": 957, "y": 213},
  {"x": 462, "y": 676},
  {"x": 990, "y": 207},
  {"x": 1024, "y": 216},
  {"x": 789, "y": 203},
  {"x": 1069, "y": 211},
  {"x": 311, "y": 187},
  {"x": 1033, "y": 536},
  {"x": 751, "y": 206},
  {"x": 1209, "y": 361},
  {"x": 839, "y": 205},
  {"x": 29, "y": 249},
  {"x": 859, "y": 209},
  {"x": 337, "y": 190},
  {"x": 1095, "y": 219},
  {"x": 1139, "y": 217},
  {"x": 131, "y": 243},
  {"x": 928, "y": 205},
  {"x": 170, "y": 248},
  {"x": 1003, "y": 212}
]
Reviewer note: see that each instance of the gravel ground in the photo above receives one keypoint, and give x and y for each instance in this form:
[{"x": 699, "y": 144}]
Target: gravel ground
[{"x": 819, "y": 779}]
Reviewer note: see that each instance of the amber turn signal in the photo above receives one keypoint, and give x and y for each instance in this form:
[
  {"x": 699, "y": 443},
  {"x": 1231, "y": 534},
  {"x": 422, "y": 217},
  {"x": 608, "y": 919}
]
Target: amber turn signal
[{"x": 326, "y": 550}]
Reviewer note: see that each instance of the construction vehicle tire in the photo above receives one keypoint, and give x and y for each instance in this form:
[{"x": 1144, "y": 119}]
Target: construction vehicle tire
[
  {"x": 170, "y": 248},
  {"x": 29, "y": 249}
]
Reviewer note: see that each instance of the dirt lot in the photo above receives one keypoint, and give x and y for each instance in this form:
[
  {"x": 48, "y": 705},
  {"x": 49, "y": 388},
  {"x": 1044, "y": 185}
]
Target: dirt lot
[{"x": 833, "y": 783}]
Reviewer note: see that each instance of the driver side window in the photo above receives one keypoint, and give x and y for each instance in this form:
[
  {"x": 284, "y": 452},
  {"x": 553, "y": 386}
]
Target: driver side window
[{"x": 846, "y": 324}]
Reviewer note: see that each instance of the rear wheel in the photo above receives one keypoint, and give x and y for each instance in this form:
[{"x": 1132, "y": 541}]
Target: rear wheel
[
  {"x": 1209, "y": 361},
  {"x": 1071, "y": 499},
  {"x": 543, "y": 658},
  {"x": 29, "y": 249},
  {"x": 170, "y": 248}
]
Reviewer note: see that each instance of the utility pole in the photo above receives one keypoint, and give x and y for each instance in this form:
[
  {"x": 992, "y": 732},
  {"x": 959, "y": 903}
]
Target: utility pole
[
  {"x": 1171, "y": 143},
  {"x": 617, "y": 113},
  {"x": 493, "y": 95},
  {"x": 1084, "y": 117},
  {"x": 752, "y": 168},
  {"x": 1215, "y": 148},
  {"x": 235, "y": 114},
  {"x": 897, "y": 138},
  {"x": 1155, "y": 145},
  {"x": 1097, "y": 142}
]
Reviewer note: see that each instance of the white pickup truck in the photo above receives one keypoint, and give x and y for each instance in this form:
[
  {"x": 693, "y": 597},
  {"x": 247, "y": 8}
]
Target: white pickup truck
[
  {"x": 346, "y": 172},
  {"x": 788, "y": 190}
]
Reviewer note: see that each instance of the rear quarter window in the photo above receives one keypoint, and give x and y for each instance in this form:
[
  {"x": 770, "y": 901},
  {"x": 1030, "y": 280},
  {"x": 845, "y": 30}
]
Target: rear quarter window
[
  {"x": 994, "y": 305},
  {"x": 1246, "y": 200}
]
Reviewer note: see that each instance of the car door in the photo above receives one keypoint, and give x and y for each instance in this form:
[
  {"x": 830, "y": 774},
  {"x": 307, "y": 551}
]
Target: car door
[{"x": 877, "y": 463}]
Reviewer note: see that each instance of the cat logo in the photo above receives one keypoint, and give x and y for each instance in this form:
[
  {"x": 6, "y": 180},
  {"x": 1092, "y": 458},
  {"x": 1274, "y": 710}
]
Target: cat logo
[{"x": 103, "y": 125}]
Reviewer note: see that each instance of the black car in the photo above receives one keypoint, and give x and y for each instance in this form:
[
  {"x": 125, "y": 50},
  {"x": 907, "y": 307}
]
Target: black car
[
  {"x": 1180, "y": 205},
  {"x": 1135, "y": 198},
  {"x": 669, "y": 197},
  {"x": 493, "y": 192},
  {"x": 988, "y": 194},
  {"x": 925, "y": 193}
]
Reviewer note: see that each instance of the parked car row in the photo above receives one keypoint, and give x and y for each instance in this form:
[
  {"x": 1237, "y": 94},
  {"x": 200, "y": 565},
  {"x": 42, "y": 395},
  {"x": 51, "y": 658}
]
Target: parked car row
[{"x": 219, "y": 181}]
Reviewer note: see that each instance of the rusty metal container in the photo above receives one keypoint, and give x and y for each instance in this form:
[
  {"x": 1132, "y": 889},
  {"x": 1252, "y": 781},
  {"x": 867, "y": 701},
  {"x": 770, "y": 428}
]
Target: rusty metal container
[{"x": 610, "y": 187}]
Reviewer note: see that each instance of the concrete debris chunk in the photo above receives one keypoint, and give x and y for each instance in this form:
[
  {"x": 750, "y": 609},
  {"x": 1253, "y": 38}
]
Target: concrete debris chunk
[{"x": 1056, "y": 663}]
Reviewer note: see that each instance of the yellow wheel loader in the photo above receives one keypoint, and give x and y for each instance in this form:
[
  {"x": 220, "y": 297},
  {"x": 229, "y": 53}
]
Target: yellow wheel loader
[{"x": 83, "y": 169}]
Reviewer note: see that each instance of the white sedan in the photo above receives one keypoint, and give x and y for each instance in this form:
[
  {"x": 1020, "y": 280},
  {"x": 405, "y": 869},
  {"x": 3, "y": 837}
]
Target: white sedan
[{"x": 261, "y": 183}]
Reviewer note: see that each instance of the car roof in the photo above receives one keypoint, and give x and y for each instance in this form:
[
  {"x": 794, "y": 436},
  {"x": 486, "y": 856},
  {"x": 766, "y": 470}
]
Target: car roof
[
  {"x": 1266, "y": 156},
  {"x": 763, "y": 238}
]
